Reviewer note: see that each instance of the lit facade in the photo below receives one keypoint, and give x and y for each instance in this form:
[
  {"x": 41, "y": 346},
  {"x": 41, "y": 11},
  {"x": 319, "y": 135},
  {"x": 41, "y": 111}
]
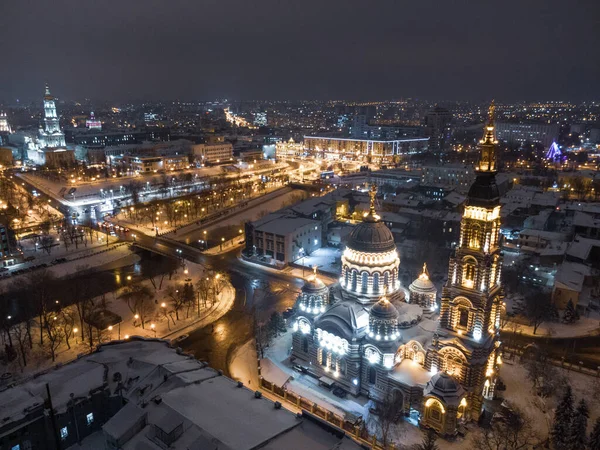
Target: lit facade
[
  {"x": 211, "y": 154},
  {"x": 362, "y": 150},
  {"x": 366, "y": 335},
  {"x": 50, "y": 135}
]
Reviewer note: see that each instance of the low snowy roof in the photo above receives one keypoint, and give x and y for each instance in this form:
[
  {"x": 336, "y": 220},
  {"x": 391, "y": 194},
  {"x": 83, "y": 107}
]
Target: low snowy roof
[
  {"x": 571, "y": 276},
  {"x": 124, "y": 420},
  {"x": 232, "y": 415},
  {"x": 582, "y": 219},
  {"x": 410, "y": 373},
  {"x": 580, "y": 247}
]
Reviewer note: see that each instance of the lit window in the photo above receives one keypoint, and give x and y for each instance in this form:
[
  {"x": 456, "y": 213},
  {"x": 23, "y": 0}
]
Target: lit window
[
  {"x": 64, "y": 433},
  {"x": 89, "y": 418}
]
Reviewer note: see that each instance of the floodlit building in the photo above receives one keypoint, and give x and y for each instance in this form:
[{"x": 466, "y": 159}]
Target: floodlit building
[
  {"x": 50, "y": 135},
  {"x": 212, "y": 153},
  {"x": 367, "y": 336},
  {"x": 423, "y": 292},
  {"x": 59, "y": 157},
  {"x": 92, "y": 123},
  {"x": 289, "y": 149},
  {"x": 362, "y": 150}
]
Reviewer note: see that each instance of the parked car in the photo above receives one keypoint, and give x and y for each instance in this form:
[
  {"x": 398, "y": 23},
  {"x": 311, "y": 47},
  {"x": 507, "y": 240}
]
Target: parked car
[
  {"x": 3, "y": 269},
  {"x": 29, "y": 258},
  {"x": 339, "y": 392},
  {"x": 179, "y": 339},
  {"x": 300, "y": 369}
]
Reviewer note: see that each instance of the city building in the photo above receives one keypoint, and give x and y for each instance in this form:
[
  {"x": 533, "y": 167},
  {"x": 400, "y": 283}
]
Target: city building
[
  {"x": 176, "y": 162},
  {"x": 142, "y": 393},
  {"x": 367, "y": 336},
  {"x": 8, "y": 247},
  {"x": 59, "y": 158},
  {"x": 144, "y": 164},
  {"x": 92, "y": 123},
  {"x": 451, "y": 175},
  {"x": 99, "y": 138},
  {"x": 6, "y": 157},
  {"x": 520, "y": 133},
  {"x": 289, "y": 149},
  {"x": 362, "y": 150},
  {"x": 212, "y": 153},
  {"x": 438, "y": 128},
  {"x": 284, "y": 237},
  {"x": 5, "y": 129},
  {"x": 50, "y": 136}
]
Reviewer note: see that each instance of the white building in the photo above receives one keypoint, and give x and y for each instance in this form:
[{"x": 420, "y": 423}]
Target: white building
[{"x": 51, "y": 135}]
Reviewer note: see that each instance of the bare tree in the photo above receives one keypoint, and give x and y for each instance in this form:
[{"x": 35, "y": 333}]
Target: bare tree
[
  {"x": 20, "y": 335},
  {"x": 389, "y": 410},
  {"x": 538, "y": 308},
  {"x": 139, "y": 300},
  {"x": 512, "y": 431},
  {"x": 54, "y": 333}
]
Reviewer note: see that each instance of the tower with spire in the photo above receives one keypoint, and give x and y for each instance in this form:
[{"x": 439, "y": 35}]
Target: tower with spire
[
  {"x": 467, "y": 346},
  {"x": 50, "y": 135}
]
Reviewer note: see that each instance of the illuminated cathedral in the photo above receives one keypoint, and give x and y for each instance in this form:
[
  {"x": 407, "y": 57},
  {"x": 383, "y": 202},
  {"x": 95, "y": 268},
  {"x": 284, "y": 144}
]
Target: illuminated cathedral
[{"x": 369, "y": 335}]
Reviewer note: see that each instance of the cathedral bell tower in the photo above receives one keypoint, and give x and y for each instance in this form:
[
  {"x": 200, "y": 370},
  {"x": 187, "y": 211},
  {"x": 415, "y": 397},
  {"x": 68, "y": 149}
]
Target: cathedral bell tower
[{"x": 468, "y": 347}]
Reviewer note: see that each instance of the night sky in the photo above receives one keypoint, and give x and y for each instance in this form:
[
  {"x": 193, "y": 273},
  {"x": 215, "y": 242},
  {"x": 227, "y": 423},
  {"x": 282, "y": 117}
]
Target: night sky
[{"x": 325, "y": 49}]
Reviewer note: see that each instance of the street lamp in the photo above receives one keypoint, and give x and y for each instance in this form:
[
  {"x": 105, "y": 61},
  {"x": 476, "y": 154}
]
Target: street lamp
[
  {"x": 222, "y": 240},
  {"x": 153, "y": 327},
  {"x": 75, "y": 330}
]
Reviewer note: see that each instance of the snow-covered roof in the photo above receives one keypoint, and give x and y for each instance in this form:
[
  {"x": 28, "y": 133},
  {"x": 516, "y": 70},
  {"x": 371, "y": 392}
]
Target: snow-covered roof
[
  {"x": 232, "y": 415},
  {"x": 410, "y": 373},
  {"x": 581, "y": 247},
  {"x": 571, "y": 276},
  {"x": 582, "y": 219}
]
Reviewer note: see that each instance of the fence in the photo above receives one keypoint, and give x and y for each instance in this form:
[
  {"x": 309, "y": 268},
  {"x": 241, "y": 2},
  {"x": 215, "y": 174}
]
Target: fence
[
  {"x": 356, "y": 431},
  {"x": 511, "y": 352}
]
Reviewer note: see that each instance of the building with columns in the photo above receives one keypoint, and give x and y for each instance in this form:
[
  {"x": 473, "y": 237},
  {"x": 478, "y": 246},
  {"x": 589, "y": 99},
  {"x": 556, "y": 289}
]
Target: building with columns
[{"x": 369, "y": 336}]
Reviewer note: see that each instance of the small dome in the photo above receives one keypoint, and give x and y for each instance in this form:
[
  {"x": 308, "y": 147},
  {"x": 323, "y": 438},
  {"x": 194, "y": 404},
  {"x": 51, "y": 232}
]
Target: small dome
[
  {"x": 384, "y": 309},
  {"x": 371, "y": 235},
  {"x": 383, "y": 321},
  {"x": 444, "y": 387},
  {"x": 445, "y": 383},
  {"x": 314, "y": 296},
  {"x": 423, "y": 283}
]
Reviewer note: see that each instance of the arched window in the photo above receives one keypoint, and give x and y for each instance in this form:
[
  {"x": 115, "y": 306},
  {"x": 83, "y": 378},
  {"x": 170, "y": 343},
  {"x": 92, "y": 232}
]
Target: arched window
[
  {"x": 354, "y": 281},
  {"x": 376, "y": 283},
  {"x": 321, "y": 357},
  {"x": 469, "y": 272},
  {"x": 463, "y": 317},
  {"x": 386, "y": 281},
  {"x": 372, "y": 375},
  {"x": 475, "y": 236},
  {"x": 364, "y": 282},
  {"x": 305, "y": 344},
  {"x": 346, "y": 276}
]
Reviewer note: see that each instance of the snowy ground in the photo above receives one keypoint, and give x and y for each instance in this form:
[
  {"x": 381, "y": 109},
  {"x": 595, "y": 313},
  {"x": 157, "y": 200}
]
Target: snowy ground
[
  {"x": 583, "y": 327},
  {"x": 327, "y": 259},
  {"x": 519, "y": 392}
]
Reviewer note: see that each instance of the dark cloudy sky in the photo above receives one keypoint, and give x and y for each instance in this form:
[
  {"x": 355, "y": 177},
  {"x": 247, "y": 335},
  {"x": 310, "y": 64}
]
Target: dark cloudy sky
[{"x": 288, "y": 49}]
